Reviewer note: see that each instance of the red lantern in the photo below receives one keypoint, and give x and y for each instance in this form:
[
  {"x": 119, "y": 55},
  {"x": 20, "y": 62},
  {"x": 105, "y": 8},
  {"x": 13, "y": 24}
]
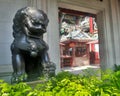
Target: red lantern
[{"x": 72, "y": 44}]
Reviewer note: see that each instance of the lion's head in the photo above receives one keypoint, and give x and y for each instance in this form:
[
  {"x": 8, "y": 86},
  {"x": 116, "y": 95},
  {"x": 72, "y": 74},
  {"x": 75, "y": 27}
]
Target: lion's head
[{"x": 29, "y": 21}]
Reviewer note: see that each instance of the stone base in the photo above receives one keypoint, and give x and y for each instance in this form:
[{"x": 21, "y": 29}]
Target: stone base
[
  {"x": 6, "y": 77},
  {"x": 6, "y": 72},
  {"x": 34, "y": 83}
]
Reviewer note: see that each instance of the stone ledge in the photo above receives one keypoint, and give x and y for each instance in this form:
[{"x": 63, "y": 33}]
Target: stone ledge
[
  {"x": 3, "y": 74},
  {"x": 6, "y": 72},
  {"x": 6, "y": 68},
  {"x": 6, "y": 76},
  {"x": 34, "y": 83}
]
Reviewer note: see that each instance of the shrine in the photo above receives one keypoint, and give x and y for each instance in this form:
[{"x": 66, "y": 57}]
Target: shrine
[
  {"x": 79, "y": 44},
  {"x": 76, "y": 53}
]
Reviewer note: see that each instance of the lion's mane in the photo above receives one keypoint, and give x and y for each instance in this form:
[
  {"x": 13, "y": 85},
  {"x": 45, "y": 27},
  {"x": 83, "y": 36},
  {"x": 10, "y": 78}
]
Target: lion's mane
[{"x": 19, "y": 20}]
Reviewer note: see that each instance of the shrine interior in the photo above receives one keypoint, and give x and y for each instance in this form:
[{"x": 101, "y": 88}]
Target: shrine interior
[{"x": 79, "y": 40}]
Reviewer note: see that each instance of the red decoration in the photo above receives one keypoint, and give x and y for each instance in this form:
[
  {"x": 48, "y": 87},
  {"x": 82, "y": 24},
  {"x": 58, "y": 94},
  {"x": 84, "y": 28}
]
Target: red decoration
[
  {"x": 72, "y": 44},
  {"x": 92, "y": 47},
  {"x": 91, "y": 24}
]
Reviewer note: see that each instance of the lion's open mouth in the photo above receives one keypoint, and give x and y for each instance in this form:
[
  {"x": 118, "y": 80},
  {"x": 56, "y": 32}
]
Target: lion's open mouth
[{"x": 37, "y": 32}]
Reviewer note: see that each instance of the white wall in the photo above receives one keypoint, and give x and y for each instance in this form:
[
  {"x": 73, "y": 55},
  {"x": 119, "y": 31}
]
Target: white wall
[
  {"x": 8, "y": 9},
  {"x": 53, "y": 33},
  {"x": 115, "y": 28}
]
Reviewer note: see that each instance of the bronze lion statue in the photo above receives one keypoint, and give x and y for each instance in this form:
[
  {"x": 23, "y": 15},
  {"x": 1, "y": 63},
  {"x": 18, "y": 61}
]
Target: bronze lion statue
[{"x": 29, "y": 51}]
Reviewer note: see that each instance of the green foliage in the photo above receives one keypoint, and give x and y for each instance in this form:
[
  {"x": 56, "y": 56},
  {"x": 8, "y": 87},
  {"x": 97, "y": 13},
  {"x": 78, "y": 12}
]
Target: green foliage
[
  {"x": 117, "y": 68},
  {"x": 21, "y": 89},
  {"x": 90, "y": 83}
]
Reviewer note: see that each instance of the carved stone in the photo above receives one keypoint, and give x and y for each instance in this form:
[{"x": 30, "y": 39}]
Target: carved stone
[{"x": 29, "y": 51}]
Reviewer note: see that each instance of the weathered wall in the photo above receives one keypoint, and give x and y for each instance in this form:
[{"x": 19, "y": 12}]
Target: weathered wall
[
  {"x": 115, "y": 28},
  {"x": 7, "y": 11}
]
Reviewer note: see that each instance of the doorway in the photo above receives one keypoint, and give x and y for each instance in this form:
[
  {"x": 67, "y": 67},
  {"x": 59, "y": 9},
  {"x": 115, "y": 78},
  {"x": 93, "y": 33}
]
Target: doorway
[{"x": 79, "y": 43}]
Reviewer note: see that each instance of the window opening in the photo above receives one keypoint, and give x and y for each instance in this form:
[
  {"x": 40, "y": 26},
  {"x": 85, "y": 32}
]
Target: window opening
[{"x": 79, "y": 45}]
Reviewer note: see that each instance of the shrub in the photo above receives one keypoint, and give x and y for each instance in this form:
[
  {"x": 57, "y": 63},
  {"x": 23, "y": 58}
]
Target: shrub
[
  {"x": 21, "y": 89},
  {"x": 116, "y": 67},
  {"x": 68, "y": 84}
]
